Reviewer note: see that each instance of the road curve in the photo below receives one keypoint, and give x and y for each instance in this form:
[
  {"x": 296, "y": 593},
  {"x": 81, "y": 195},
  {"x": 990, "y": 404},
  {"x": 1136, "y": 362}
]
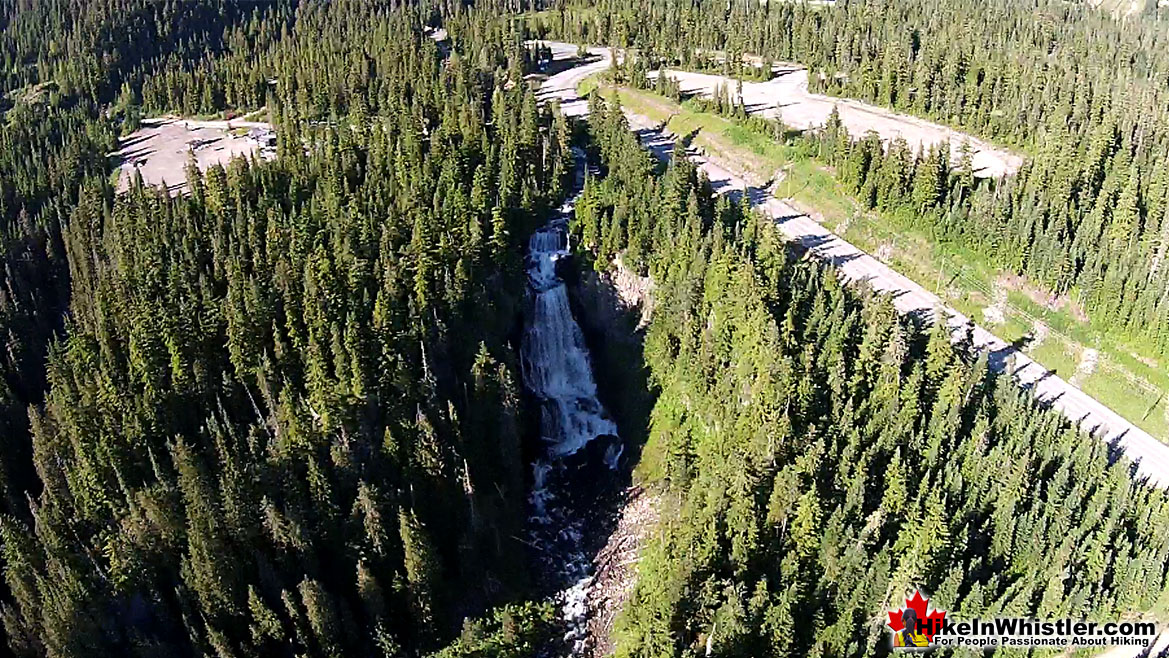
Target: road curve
[
  {"x": 1150, "y": 455},
  {"x": 786, "y": 97},
  {"x": 562, "y": 85}
]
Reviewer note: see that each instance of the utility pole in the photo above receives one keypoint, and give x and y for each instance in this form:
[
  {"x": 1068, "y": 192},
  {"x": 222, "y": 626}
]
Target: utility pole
[{"x": 1153, "y": 406}]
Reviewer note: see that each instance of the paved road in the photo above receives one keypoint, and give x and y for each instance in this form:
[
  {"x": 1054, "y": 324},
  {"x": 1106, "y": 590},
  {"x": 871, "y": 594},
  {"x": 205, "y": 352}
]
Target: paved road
[{"x": 1151, "y": 455}]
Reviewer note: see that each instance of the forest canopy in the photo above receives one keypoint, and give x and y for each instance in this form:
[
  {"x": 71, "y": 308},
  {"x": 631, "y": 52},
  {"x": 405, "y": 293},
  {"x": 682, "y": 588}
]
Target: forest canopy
[
  {"x": 284, "y": 414},
  {"x": 823, "y": 455},
  {"x": 281, "y": 414},
  {"x": 1082, "y": 94}
]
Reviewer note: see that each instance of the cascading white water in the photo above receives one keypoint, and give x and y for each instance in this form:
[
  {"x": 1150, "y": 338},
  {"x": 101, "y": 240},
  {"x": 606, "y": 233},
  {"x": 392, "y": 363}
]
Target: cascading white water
[
  {"x": 555, "y": 359},
  {"x": 556, "y": 362},
  {"x": 556, "y": 369}
]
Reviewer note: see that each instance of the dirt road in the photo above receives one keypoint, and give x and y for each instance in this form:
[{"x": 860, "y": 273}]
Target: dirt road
[
  {"x": 912, "y": 299},
  {"x": 562, "y": 86},
  {"x": 786, "y": 96},
  {"x": 1159, "y": 648},
  {"x": 1151, "y": 456}
]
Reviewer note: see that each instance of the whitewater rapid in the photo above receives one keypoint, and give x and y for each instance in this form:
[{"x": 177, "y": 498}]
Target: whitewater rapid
[
  {"x": 558, "y": 372},
  {"x": 555, "y": 359}
]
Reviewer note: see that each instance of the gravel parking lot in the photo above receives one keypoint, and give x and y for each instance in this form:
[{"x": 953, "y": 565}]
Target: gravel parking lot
[{"x": 158, "y": 150}]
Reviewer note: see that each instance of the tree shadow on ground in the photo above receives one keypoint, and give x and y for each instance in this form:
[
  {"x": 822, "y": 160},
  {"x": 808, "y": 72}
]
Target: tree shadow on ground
[{"x": 555, "y": 66}]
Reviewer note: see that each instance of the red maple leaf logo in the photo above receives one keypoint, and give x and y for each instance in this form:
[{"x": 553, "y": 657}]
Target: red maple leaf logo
[{"x": 929, "y": 622}]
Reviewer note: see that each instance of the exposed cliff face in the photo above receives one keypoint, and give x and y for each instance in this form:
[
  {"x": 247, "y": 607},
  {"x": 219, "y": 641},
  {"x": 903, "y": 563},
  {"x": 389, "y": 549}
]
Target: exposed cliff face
[
  {"x": 580, "y": 458},
  {"x": 615, "y": 567},
  {"x": 613, "y": 309},
  {"x": 633, "y": 290},
  {"x": 617, "y": 303}
]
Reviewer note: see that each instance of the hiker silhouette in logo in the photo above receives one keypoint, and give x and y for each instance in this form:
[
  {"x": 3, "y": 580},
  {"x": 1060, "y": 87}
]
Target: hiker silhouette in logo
[{"x": 910, "y": 636}]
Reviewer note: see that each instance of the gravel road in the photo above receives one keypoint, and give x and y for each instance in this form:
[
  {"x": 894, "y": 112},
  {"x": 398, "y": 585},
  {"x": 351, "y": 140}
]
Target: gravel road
[
  {"x": 1151, "y": 456},
  {"x": 786, "y": 96}
]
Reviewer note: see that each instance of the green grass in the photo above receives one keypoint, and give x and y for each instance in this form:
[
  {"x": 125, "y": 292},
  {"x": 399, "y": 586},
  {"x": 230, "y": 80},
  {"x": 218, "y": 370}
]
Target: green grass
[
  {"x": 586, "y": 86},
  {"x": 755, "y": 154},
  {"x": 1125, "y": 384},
  {"x": 260, "y": 114},
  {"x": 966, "y": 279},
  {"x": 552, "y": 17}
]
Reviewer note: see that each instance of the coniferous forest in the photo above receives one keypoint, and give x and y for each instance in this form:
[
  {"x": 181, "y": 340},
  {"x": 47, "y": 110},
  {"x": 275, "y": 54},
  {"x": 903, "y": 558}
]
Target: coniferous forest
[
  {"x": 1082, "y": 94},
  {"x": 280, "y": 415},
  {"x": 823, "y": 455},
  {"x": 284, "y": 414}
]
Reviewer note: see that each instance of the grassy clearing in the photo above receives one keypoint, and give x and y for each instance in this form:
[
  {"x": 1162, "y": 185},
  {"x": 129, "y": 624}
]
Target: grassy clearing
[
  {"x": 255, "y": 115},
  {"x": 1055, "y": 338},
  {"x": 1130, "y": 385},
  {"x": 758, "y": 156}
]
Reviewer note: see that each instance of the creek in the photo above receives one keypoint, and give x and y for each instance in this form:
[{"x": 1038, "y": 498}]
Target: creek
[{"x": 579, "y": 442}]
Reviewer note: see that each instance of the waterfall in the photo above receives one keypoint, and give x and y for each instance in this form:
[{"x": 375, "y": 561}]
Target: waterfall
[
  {"x": 555, "y": 360},
  {"x": 557, "y": 371}
]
